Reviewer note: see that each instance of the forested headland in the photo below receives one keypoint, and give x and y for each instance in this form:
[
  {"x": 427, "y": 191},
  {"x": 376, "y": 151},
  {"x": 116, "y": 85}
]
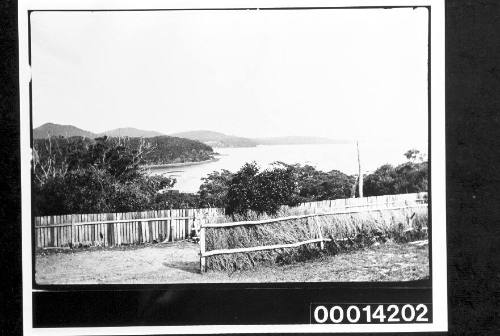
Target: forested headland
[{"x": 157, "y": 150}]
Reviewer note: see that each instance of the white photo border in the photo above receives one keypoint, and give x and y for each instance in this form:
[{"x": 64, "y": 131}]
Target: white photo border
[{"x": 437, "y": 166}]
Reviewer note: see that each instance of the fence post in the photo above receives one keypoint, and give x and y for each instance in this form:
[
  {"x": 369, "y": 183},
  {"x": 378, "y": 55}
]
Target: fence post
[
  {"x": 193, "y": 227},
  {"x": 73, "y": 238},
  {"x": 318, "y": 226},
  {"x": 202, "y": 250}
]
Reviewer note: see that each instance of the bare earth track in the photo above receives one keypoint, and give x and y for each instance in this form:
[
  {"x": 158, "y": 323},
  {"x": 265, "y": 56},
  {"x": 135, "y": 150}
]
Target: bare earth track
[{"x": 179, "y": 263}]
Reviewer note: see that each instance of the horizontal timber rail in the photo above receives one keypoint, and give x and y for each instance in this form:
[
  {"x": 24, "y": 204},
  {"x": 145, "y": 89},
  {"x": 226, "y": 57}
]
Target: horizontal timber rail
[
  {"x": 262, "y": 248},
  {"x": 117, "y": 221},
  {"x": 282, "y": 219},
  {"x": 270, "y": 247}
]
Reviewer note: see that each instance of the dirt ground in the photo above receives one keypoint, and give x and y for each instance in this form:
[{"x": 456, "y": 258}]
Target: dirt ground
[{"x": 179, "y": 263}]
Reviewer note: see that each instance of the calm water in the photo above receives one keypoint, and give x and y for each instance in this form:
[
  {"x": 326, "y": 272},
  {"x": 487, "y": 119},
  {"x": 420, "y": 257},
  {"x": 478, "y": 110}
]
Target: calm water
[{"x": 323, "y": 157}]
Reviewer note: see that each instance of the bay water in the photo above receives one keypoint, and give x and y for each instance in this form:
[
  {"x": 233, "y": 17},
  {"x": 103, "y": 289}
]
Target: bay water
[{"x": 325, "y": 157}]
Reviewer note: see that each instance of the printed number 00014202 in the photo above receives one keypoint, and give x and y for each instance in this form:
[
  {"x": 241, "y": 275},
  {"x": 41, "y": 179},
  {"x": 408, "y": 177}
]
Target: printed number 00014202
[{"x": 382, "y": 313}]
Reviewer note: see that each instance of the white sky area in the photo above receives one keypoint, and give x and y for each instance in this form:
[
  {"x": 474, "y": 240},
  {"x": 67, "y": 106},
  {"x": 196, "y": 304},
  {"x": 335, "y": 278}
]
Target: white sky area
[{"x": 338, "y": 73}]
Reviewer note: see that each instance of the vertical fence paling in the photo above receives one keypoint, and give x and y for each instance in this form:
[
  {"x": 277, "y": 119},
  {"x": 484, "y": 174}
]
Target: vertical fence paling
[
  {"x": 202, "y": 250},
  {"x": 67, "y": 230},
  {"x": 114, "y": 229}
]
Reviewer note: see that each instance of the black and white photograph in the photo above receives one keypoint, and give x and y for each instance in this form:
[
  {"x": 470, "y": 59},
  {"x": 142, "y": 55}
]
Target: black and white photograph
[{"x": 235, "y": 145}]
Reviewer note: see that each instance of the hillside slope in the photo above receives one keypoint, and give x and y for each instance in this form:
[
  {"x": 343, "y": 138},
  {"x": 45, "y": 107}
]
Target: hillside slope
[
  {"x": 51, "y": 129},
  {"x": 217, "y": 139},
  {"x": 131, "y": 132},
  {"x": 298, "y": 140}
]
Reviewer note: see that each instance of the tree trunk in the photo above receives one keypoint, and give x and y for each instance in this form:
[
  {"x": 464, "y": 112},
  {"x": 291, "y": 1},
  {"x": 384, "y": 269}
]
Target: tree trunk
[{"x": 360, "y": 174}]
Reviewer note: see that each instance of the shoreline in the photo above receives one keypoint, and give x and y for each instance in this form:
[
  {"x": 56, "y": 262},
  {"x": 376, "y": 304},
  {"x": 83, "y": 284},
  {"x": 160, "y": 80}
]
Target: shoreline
[{"x": 179, "y": 164}]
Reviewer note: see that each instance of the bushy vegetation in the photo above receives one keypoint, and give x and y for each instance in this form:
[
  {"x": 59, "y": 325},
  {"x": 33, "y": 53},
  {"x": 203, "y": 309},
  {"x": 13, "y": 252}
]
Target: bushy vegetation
[
  {"x": 82, "y": 175},
  {"x": 263, "y": 191},
  {"x": 78, "y": 175},
  {"x": 213, "y": 191},
  {"x": 79, "y": 151},
  {"x": 316, "y": 185},
  {"x": 95, "y": 190},
  {"x": 167, "y": 149},
  {"x": 409, "y": 177}
]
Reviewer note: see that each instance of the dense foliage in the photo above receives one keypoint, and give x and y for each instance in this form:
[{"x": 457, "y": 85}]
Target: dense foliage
[
  {"x": 156, "y": 150},
  {"x": 81, "y": 175},
  {"x": 261, "y": 192},
  {"x": 95, "y": 191},
  {"x": 251, "y": 189},
  {"x": 316, "y": 185},
  {"x": 409, "y": 177},
  {"x": 167, "y": 149},
  {"x": 213, "y": 191}
]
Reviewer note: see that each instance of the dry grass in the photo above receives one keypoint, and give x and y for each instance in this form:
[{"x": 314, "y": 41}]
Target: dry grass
[
  {"x": 179, "y": 263},
  {"x": 385, "y": 262},
  {"x": 347, "y": 231}
]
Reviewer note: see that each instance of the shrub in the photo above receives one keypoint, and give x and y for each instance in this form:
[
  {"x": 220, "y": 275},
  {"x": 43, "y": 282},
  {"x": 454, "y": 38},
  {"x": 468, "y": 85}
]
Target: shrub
[
  {"x": 77, "y": 175},
  {"x": 213, "y": 191},
  {"x": 409, "y": 177},
  {"x": 261, "y": 192}
]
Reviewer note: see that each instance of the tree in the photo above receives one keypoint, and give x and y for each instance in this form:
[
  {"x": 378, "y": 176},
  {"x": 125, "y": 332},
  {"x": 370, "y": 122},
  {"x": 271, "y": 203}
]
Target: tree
[
  {"x": 316, "y": 185},
  {"x": 242, "y": 192},
  {"x": 76, "y": 175},
  {"x": 275, "y": 187},
  {"x": 383, "y": 181},
  {"x": 411, "y": 177},
  {"x": 414, "y": 155},
  {"x": 213, "y": 191},
  {"x": 261, "y": 192},
  {"x": 408, "y": 177}
]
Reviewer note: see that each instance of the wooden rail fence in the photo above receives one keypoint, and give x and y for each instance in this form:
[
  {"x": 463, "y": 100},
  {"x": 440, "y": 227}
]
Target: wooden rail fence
[
  {"x": 114, "y": 229},
  {"x": 204, "y": 254}
]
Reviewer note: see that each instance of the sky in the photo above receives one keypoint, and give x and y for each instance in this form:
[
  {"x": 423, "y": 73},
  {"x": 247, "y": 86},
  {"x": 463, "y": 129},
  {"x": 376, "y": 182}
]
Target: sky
[{"x": 337, "y": 73}]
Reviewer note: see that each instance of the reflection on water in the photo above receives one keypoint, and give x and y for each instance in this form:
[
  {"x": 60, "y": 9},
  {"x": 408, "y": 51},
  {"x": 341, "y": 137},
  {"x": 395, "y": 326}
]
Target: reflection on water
[{"x": 324, "y": 157}]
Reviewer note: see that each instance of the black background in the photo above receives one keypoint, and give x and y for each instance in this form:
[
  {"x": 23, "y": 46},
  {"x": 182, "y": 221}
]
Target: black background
[
  {"x": 206, "y": 304},
  {"x": 472, "y": 134}
]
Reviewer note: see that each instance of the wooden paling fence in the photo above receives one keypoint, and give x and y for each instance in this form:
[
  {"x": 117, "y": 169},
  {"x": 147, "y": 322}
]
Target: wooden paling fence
[
  {"x": 114, "y": 229},
  {"x": 366, "y": 202}
]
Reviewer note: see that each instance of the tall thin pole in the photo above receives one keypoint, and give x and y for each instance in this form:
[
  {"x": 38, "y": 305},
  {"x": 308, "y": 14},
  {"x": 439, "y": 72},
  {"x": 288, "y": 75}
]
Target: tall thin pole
[{"x": 360, "y": 174}]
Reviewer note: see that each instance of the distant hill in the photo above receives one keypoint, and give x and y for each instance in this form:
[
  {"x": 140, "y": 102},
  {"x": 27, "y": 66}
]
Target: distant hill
[
  {"x": 130, "y": 132},
  {"x": 298, "y": 140},
  {"x": 210, "y": 138},
  {"x": 50, "y": 129},
  {"x": 167, "y": 149},
  {"x": 216, "y": 139}
]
